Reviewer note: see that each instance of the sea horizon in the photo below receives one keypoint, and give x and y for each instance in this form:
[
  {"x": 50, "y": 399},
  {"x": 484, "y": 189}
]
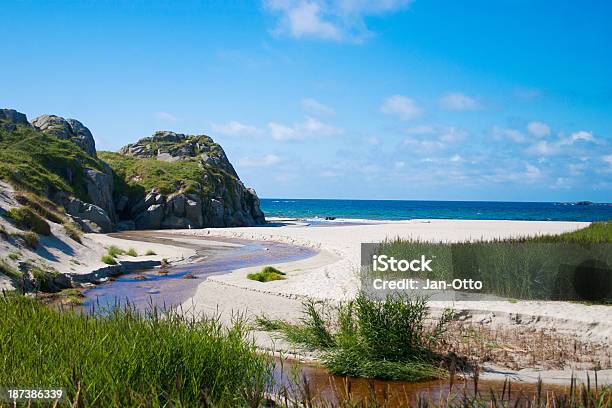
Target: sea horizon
[{"x": 307, "y": 208}]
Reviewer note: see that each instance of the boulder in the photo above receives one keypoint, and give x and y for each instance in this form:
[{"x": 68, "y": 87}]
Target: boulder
[
  {"x": 100, "y": 188},
  {"x": 90, "y": 217},
  {"x": 151, "y": 218},
  {"x": 193, "y": 211},
  {"x": 70, "y": 129}
]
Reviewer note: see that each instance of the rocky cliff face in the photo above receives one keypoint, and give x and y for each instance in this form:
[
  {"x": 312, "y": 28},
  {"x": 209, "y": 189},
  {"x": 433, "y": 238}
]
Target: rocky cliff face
[
  {"x": 168, "y": 180},
  {"x": 210, "y": 194}
]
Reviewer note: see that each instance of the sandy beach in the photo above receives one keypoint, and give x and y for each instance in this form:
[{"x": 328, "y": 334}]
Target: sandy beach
[{"x": 331, "y": 275}]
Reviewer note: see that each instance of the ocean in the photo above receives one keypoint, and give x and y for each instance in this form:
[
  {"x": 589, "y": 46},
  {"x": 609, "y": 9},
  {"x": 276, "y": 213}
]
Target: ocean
[{"x": 403, "y": 210}]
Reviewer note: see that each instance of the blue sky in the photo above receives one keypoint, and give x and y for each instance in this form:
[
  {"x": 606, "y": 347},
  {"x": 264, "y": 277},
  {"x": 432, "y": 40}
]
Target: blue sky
[{"x": 390, "y": 99}]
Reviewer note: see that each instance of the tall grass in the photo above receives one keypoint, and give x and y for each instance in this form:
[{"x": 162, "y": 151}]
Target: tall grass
[
  {"x": 126, "y": 359},
  {"x": 369, "y": 338},
  {"x": 543, "y": 267}
]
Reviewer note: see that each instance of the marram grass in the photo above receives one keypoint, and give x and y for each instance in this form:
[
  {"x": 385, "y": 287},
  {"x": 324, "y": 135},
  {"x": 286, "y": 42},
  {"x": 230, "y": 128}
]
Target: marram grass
[{"x": 125, "y": 359}]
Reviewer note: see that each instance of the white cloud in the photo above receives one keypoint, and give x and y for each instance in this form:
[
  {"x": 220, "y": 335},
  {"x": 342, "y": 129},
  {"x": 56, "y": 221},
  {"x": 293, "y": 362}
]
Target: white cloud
[
  {"x": 309, "y": 128},
  {"x": 264, "y": 161},
  {"x": 400, "y": 106},
  {"x": 398, "y": 165},
  {"x": 539, "y": 129},
  {"x": 457, "y": 101},
  {"x": 512, "y": 134},
  {"x": 235, "y": 128},
  {"x": 544, "y": 148},
  {"x": 337, "y": 20},
  {"x": 607, "y": 159},
  {"x": 456, "y": 158},
  {"x": 314, "y": 106},
  {"x": 166, "y": 117},
  {"x": 532, "y": 171},
  {"x": 580, "y": 135}
]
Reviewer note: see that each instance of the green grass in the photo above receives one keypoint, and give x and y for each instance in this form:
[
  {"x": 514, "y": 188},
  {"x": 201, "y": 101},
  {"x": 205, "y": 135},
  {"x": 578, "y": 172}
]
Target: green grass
[
  {"x": 15, "y": 255},
  {"x": 43, "y": 164},
  {"x": 131, "y": 252},
  {"x": 73, "y": 231},
  {"x": 267, "y": 274},
  {"x": 42, "y": 206},
  {"x": 126, "y": 360},
  {"x": 541, "y": 267},
  {"x": 109, "y": 260},
  {"x": 8, "y": 270},
  {"x": 29, "y": 238},
  {"x": 71, "y": 297},
  {"x": 137, "y": 176},
  {"x": 368, "y": 338},
  {"x": 150, "y": 252},
  {"x": 115, "y": 251},
  {"x": 596, "y": 233},
  {"x": 26, "y": 218},
  {"x": 43, "y": 276}
]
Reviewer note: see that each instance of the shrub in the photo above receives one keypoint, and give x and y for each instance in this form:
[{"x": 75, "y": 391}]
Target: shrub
[
  {"x": 24, "y": 217},
  {"x": 131, "y": 252},
  {"x": 267, "y": 274},
  {"x": 126, "y": 359},
  {"x": 28, "y": 237},
  {"x": 115, "y": 251},
  {"x": 150, "y": 252},
  {"x": 109, "y": 260},
  {"x": 73, "y": 231}
]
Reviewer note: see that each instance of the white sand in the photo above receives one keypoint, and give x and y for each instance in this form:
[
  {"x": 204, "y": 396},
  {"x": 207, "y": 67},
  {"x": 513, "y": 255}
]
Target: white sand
[{"x": 332, "y": 275}]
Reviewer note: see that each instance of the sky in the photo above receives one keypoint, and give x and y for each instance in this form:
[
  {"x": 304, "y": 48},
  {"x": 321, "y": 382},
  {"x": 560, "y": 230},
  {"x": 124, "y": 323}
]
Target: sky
[{"x": 390, "y": 99}]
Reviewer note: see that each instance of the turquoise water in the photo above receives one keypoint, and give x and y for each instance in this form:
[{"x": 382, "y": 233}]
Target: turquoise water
[{"x": 402, "y": 210}]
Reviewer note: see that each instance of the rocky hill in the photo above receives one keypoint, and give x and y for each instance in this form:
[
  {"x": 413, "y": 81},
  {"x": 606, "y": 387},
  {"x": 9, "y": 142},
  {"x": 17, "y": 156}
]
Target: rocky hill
[{"x": 168, "y": 180}]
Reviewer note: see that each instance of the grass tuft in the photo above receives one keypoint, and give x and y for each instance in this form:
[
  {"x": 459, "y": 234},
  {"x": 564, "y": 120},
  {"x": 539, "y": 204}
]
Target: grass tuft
[
  {"x": 267, "y": 274},
  {"x": 73, "y": 231},
  {"x": 115, "y": 251},
  {"x": 8, "y": 270},
  {"x": 29, "y": 238},
  {"x": 150, "y": 252},
  {"x": 369, "y": 338},
  {"x": 41, "y": 205},
  {"x": 131, "y": 252},
  {"x": 24, "y": 217},
  {"x": 109, "y": 260}
]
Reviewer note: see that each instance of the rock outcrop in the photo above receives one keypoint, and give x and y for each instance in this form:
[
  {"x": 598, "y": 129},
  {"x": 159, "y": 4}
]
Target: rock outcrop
[
  {"x": 223, "y": 200},
  {"x": 10, "y": 118},
  {"x": 175, "y": 180},
  {"x": 69, "y": 129}
]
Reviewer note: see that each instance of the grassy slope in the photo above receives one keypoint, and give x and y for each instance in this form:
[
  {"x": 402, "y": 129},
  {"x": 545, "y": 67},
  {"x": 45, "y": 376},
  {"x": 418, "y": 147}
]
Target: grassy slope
[
  {"x": 137, "y": 176},
  {"x": 127, "y": 360},
  {"x": 43, "y": 164}
]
